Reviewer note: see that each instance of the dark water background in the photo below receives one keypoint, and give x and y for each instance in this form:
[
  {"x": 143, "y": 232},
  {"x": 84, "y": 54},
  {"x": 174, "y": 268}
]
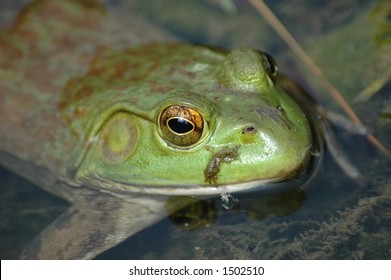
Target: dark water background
[{"x": 335, "y": 218}]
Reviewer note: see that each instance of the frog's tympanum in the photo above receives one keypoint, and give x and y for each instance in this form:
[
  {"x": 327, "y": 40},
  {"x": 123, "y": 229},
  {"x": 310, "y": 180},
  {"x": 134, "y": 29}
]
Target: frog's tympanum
[{"x": 114, "y": 121}]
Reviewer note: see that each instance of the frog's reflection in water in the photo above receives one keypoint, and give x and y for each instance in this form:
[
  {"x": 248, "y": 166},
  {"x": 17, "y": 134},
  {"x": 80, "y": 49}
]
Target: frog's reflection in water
[{"x": 195, "y": 213}]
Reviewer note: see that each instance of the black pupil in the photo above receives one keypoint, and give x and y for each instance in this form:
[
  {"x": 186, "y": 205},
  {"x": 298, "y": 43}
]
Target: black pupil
[{"x": 180, "y": 125}]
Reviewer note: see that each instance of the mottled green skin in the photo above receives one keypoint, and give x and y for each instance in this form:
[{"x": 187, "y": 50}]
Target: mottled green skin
[{"x": 68, "y": 69}]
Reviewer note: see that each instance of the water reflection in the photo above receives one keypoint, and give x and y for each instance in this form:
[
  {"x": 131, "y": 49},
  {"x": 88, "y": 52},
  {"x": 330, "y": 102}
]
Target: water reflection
[{"x": 199, "y": 213}]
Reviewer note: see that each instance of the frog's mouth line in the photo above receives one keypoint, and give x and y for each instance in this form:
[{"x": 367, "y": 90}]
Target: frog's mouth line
[{"x": 190, "y": 190}]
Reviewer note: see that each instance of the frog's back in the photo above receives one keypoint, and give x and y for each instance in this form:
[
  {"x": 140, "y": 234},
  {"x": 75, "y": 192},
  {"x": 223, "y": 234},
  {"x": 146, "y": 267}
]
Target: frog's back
[{"x": 48, "y": 43}]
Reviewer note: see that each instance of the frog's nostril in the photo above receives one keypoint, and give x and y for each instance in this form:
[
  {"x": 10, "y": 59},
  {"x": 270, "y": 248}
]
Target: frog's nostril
[
  {"x": 248, "y": 129},
  {"x": 249, "y": 135}
]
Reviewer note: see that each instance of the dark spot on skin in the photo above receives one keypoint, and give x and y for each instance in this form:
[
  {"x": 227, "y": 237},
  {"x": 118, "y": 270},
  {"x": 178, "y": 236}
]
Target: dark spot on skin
[{"x": 213, "y": 168}]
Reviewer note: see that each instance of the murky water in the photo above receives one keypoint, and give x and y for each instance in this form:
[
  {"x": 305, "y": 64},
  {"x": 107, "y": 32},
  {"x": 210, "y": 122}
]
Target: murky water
[{"x": 333, "y": 219}]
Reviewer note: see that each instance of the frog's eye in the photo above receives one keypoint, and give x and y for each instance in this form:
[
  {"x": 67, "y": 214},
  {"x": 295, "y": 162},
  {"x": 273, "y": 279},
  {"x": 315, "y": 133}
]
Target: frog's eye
[
  {"x": 270, "y": 66},
  {"x": 181, "y": 125}
]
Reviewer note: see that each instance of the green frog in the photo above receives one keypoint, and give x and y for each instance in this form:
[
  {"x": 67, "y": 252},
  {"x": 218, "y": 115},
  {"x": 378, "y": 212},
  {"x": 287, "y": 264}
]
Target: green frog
[{"x": 116, "y": 123}]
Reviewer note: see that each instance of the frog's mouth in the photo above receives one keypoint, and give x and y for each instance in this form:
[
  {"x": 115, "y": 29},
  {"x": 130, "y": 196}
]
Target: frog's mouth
[
  {"x": 299, "y": 180},
  {"x": 182, "y": 189},
  {"x": 212, "y": 185}
]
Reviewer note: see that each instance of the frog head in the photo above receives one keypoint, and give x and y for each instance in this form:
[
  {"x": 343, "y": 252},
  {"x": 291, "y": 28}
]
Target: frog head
[{"x": 181, "y": 119}]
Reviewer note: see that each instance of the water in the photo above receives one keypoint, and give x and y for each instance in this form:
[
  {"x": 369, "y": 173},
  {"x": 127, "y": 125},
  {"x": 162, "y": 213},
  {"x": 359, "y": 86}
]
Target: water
[{"x": 335, "y": 218}]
